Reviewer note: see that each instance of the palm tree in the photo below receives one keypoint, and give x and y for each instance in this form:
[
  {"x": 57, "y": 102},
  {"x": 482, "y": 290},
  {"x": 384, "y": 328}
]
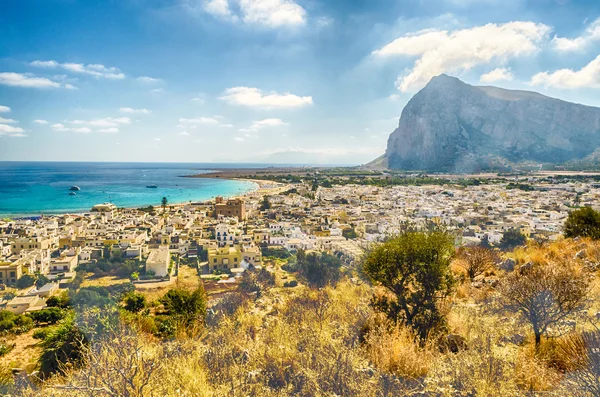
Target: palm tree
[{"x": 164, "y": 204}]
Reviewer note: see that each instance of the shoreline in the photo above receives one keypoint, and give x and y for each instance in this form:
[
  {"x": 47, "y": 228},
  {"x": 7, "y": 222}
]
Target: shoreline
[{"x": 258, "y": 185}]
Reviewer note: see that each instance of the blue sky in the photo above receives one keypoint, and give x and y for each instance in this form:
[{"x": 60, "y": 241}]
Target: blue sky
[{"x": 308, "y": 81}]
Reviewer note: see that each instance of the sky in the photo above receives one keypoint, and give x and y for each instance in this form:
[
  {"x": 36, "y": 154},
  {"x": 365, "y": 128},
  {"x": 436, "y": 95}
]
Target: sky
[{"x": 266, "y": 81}]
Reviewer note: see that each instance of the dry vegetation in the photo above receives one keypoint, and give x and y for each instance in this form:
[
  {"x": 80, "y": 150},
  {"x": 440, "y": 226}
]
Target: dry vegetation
[{"x": 330, "y": 342}]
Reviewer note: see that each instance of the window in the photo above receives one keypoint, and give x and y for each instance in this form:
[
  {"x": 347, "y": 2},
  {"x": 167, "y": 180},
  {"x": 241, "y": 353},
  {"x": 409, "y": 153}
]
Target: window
[{"x": 13, "y": 274}]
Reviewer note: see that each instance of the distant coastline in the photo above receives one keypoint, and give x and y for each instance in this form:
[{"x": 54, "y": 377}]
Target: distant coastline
[{"x": 29, "y": 189}]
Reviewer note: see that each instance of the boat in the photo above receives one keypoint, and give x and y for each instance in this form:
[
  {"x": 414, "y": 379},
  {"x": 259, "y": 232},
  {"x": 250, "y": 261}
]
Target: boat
[
  {"x": 151, "y": 186},
  {"x": 72, "y": 194},
  {"x": 75, "y": 188}
]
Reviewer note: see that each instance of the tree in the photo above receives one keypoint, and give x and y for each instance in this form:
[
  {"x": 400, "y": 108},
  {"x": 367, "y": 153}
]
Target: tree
[
  {"x": 26, "y": 281},
  {"x": 414, "y": 269},
  {"x": 349, "y": 233},
  {"x": 265, "y": 205},
  {"x": 318, "y": 270},
  {"x": 134, "y": 302},
  {"x": 544, "y": 295},
  {"x": 163, "y": 203},
  {"x": 41, "y": 280},
  {"x": 512, "y": 238},
  {"x": 476, "y": 260},
  {"x": 584, "y": 222}
]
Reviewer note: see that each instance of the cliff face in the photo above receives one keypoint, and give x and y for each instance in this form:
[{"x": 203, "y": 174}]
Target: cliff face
[{"x": 452, "y": 126}]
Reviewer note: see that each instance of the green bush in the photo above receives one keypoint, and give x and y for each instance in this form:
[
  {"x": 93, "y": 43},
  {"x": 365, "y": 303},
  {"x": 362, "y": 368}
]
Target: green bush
[
  {"x": 26, "y": 281},
  {"x": 187, "y": 305},
  {"x": 51, "y": 315},
  {"x": 134, "y": 302},
  {"x": 318, "y": 270},
  {"x": 584, "y": 222},
  {"x": 414, "y": 268},
  {"x": 65, "y": 346}
]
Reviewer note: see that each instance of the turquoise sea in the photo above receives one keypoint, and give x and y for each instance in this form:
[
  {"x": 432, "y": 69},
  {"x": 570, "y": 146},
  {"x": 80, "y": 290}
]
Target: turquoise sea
[{"x": 34, "y": 188}]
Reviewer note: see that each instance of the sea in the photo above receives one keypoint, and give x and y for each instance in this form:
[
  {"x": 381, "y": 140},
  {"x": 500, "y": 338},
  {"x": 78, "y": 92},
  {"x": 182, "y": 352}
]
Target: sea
[{"x": 42, "y": 188}]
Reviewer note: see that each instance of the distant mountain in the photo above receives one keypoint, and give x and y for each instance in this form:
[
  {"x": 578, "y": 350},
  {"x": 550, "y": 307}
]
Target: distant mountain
[{"x": 453, "y": 126}]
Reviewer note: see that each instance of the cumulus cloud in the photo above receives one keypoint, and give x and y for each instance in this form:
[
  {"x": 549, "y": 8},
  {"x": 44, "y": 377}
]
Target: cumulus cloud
[
  {"x": 40, "y": 122},
  {"x": 59, "y": 127},
  {"x": 4, "y": 109},
  {"x": 257, "y": 125},
  {"x": 589, "y": 36},
  {"x": 29, "y": 80},
  {"x": 253, "y": 97},
  {"x": 132, "y": 110},
  {"x": 267, "y": 13},
  {"x": 7, "y": 121},
  {"x": 498, "y": 74},
  {"x": 106, "y": 122},
  {"x": 184, "y": 133},
  {"x": 9, "y": 130},
  {"x": 82, "y": 130},
  {"x": 96, "y": 70},
  {"x": 443, "y": 51},
  {"x": 588, "y": 76}
]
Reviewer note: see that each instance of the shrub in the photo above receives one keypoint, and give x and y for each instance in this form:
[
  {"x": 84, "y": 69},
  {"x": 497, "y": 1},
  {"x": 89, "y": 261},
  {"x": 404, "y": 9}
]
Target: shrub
[
  {"x": 476, "y": 260},
  {"x": 26, "y": 281},
  {"x": 134, "y": 302},
  {"x": 584, "y": 222},
  {"x": 544, "y": 295},
  {"x": 50, "y": 316},
  {"x": 61, "y": 301},
  {"x": 414, "y": 269},
  {"x": 511, "y": 239},
  {"x": 318, "y": 270},
  {"x": 64, "y": 347},
  {"x": 187, "y": 305}
]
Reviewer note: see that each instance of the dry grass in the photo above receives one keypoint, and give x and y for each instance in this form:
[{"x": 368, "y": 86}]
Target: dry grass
[{"x": 303, "y": 342}]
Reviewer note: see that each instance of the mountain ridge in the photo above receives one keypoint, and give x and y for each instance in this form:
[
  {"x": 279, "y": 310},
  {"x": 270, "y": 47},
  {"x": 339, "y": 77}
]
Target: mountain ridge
[{"x": 452, "y": 126}]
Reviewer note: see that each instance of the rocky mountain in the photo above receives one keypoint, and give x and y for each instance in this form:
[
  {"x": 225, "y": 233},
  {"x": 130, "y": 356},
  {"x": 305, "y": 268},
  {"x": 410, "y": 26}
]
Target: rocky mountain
[{"x": 453, "y": 126}]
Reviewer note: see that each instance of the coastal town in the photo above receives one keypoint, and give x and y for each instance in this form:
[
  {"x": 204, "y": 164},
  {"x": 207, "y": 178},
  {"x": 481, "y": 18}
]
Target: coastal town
[{"x": 226, "y": 236}]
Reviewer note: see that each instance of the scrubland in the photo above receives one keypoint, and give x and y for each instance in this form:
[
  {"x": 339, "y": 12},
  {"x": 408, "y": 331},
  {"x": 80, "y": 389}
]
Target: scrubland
[{"x": 330, "y": 341}]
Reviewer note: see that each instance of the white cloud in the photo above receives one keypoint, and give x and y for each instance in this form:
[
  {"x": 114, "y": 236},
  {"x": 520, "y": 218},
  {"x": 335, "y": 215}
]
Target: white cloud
[
  {"x": 184, "y": 133},
  {"x": 9, "y": 130},
  {"x": 498, "y": 74},
  {"x": 219, "y": 8},
  {"x": 28, "y": 80},
  {"x": 106, "y": 122},
  {"x": 157, "y": 91},
  {"x": 59, "y": 127},
  {"x": 253, "y": 97},
  {"x": 111, "y": 130},
  {"x": 267, "y": 13},
  {"x": 226, "y": 125},
  {"x": 442, "y": 51},
  {"x": 590, "y": 35},
  {"x": 239, "y": 139},
  {"x": 197, "y": 121},
  {"x": 7, "y": 121},
  {"x": 95, "y": 70},
  {"x": 82, "y": 130},
  {"x": 588, "y": 76},
  {"x": 157, "y": 139},
  {"x": 132, "y": 110},
  {"x": 272, "y": 13},
  {"x": 257, "y": 125},
  {"x": 149, "y": 80},
  {"x": 40, "y": 122},
  {"x": 4, "y": 109}
]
